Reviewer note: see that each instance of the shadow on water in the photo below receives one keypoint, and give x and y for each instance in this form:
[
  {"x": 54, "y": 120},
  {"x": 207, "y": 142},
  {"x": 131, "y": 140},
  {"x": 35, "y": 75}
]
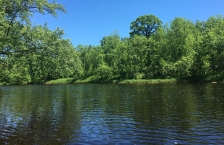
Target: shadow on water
[{"x": 112, "y": 113}]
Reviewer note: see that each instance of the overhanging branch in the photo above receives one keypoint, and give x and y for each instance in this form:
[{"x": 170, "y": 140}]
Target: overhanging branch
[{"x": 20, "y": 51}]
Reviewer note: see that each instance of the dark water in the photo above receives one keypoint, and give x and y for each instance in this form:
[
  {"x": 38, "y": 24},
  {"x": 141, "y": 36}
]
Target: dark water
[{"x": 112, "y": 114}]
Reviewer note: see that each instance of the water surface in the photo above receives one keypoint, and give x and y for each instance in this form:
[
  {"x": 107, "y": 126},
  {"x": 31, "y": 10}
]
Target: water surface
[{"x": 112, "y": 114}]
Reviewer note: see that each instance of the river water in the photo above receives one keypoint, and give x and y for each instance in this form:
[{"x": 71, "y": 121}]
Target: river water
[{"x": 112, "y": 114}]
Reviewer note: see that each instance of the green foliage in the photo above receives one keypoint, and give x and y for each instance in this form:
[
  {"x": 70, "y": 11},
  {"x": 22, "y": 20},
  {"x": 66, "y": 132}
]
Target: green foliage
[
  {"x": 35, "y": 54},
  {"x": 104, "y": 72},
  {"x": 139, "y": 75},
  {"x": 15, "y": 18},
  {"x": 180, "y": 50},
  {"x": 145, "y": 25},
  {"x": 61, "y": 81},
  {"x": 91, "y": 57}
]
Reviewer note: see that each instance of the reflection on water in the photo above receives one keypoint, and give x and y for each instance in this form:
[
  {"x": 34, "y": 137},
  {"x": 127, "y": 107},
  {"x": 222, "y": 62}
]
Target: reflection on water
[{"x": 112, "y": 113}]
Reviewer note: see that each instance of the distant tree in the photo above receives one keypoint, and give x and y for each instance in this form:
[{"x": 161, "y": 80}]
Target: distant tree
[{"x": 145, "y": 25}]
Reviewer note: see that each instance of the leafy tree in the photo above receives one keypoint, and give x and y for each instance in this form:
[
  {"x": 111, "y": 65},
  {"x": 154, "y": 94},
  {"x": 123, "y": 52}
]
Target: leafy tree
[
  {"x": 155, "y": 54},
  {"x": 138, "y": 53},
  {"x": 201, "y": 66},
  {"x": 145, "y": 25},
  {"x": 15, "y": 15},
  {"x": 104, "y": 72},
  {"x": 177, "y": 35},
  {"x": 180, "y": 46},
  {"x": 34, "y": 53},
  {"x": 92, "y": 59},
  {"x": 52, "y": 57},
  {"x": 213, "y": 43},
  {"x": 14, "y": 70},
  {"x": 109, "y": 44}
]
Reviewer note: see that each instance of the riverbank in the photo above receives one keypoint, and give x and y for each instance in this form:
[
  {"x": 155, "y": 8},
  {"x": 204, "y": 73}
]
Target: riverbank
[
  {"x": 125, "y": 81},
  {"x": 93, "y": 79}
]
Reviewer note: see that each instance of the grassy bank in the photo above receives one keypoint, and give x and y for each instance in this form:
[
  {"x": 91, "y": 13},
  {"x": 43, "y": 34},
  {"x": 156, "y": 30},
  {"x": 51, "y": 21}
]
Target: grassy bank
[
  {"x": 61, "y": 81},
  {"x": 95, "y": 80}
]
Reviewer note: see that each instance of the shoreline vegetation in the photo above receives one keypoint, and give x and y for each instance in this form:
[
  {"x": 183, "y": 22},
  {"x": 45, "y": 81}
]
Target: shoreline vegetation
[
  {"x": 123, "y": 81},
  {"x": 182, "y": 51},
  {"x": 89, "y": 80},
  {"x": 130, "y": 81},
  {"x": 93, "y": 79}
]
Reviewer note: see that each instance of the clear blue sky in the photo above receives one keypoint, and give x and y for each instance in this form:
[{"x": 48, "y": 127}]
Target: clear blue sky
[{"x": 87, "y": 21}]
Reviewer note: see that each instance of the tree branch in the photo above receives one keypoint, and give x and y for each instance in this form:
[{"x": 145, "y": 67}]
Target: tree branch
[{"x": 14, "y": 16}]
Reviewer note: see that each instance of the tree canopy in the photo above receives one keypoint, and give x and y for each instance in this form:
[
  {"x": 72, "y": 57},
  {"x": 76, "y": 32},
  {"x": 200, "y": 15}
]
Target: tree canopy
[
  {"x": 15, "y": 20},
  {"x": 32, "y": 53},
  {"x": 182, "y": 50},
  {"x": 145, "y": 25}
]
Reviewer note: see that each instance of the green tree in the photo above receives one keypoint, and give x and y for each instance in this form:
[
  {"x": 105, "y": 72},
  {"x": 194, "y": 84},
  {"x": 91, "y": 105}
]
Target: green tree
[
  {"x": 49, "y": 57},
  {"x": 34, "y": 53},
  {"x": 145, "y": 25},
  {"x": 155, "y": 54},
  {"x": 109, "y": 44},
  {"x": 201, "y": 65},
  {"x": 138, "y": 54},
  {"x": 15, "y": 15},
  {"x": 61, "y": 57},
  {"x": 213, "y": 43},
  {"x": 180, "y": 47},
  {"x": 122, "y": 59},
  {"x": 92, "y": 59}
]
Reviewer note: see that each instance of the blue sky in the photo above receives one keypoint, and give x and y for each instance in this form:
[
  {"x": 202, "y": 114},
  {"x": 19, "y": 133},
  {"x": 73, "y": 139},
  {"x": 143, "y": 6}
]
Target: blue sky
[{"x": 88, "y": 21}]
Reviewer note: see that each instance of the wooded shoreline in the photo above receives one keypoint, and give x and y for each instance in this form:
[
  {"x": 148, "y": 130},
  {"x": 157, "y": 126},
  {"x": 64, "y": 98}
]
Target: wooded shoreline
[{"x": 183, "y": 50}]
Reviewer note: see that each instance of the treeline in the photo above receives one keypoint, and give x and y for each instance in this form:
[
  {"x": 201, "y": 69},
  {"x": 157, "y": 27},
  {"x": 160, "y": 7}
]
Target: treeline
[{"x": 181, "y": 49}]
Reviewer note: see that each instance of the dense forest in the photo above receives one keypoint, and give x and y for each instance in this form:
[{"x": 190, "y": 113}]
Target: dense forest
[{"x": 182, "y": 49}]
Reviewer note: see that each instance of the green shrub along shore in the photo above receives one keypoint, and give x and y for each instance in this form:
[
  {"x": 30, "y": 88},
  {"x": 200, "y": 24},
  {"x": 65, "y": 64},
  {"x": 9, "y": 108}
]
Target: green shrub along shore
[{"x": 184, "y": 50}]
